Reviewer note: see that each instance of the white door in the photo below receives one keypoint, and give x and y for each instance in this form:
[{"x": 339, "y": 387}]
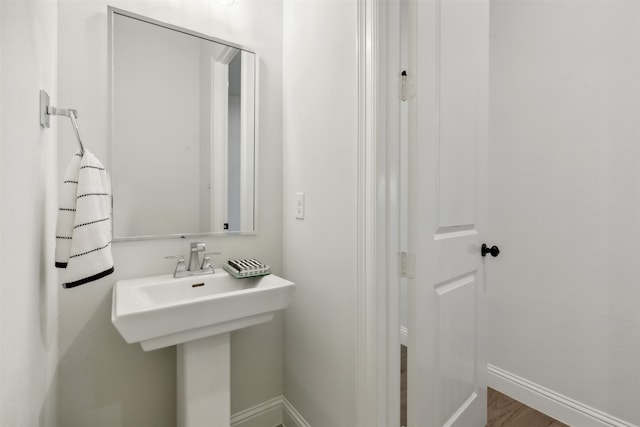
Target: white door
[{"x": 447, "y": 158}]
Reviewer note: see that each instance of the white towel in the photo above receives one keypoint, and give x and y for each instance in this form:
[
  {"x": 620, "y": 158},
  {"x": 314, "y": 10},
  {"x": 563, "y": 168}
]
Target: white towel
[{"x": 83, "y": 232}]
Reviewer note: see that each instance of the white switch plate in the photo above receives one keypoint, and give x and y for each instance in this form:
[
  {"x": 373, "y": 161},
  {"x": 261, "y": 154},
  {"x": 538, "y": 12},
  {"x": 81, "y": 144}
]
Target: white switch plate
[{"x": 299, "y": 205}]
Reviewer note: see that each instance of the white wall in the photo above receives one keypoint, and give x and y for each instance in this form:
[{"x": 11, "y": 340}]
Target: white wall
[
  {"x": 319, "y": 252},
  {"x": 103, "y": 380},
  {"x": 28, "y": 304},
  {"x": 1, "y": 282},
  {"x": 565, "y": 186}
]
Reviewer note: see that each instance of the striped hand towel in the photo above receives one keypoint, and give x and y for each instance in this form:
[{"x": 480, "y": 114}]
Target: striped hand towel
[{"x": 83, "y": 232}]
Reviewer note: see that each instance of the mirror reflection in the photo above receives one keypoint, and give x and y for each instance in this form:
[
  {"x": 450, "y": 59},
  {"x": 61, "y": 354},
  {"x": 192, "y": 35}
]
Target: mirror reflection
[{"x": 183, "y": 149}]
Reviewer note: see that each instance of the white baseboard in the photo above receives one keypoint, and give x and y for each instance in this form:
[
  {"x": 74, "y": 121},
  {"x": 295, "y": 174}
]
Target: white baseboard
[
  {"x": 292, "y": 417},
  {"x": 404, "y": 335},
  {"x": 271, "y": 413},
  {"x": 265, "y": 414},
  {"x": 280, "y": 411},
  {"x": 554, "y": 404}
]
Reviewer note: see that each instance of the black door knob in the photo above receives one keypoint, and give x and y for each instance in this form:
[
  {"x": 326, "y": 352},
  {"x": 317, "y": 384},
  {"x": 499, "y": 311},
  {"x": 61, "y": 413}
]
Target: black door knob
[{"x": 494, "y": 251}]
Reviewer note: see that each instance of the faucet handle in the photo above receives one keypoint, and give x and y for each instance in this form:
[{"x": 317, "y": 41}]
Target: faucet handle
[
  {"x": 206, "y": 260},
  {"x": 180, "y": 267}
]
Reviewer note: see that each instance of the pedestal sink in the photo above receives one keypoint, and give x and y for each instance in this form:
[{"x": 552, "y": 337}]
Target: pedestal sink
[{"x": 197, "y": 314}]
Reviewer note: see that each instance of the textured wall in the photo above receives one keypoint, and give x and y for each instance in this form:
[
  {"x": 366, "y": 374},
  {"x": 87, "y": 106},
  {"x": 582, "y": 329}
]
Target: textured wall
[
  {"x": 103, "y": 380},
  {"x": 28, "y": 287},
  {"x": 565, "y": 198},
  {"x": 319, "y": 252}
]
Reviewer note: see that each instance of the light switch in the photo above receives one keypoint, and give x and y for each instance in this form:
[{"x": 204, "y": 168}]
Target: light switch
[{"x": 299, "y": 205}]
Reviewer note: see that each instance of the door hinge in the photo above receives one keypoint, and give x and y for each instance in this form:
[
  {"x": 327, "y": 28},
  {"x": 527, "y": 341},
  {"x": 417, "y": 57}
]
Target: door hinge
[
  {"x": 407, "y": 85},
  {"x": 407, "y": 265}
]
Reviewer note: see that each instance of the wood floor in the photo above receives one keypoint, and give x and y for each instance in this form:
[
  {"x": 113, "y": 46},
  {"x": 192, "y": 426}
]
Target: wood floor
[
  {"x": 403, "y": 385},
  {"x": 502, "y": 411}
]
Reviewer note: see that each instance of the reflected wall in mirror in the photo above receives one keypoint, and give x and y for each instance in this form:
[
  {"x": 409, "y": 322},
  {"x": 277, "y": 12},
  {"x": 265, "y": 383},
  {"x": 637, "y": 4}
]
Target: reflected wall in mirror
[{"x": 183, "y": 131}]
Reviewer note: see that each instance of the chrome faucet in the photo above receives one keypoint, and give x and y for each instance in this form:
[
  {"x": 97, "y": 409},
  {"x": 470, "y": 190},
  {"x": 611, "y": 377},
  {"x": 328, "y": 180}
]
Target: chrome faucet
[
  {"x": 194, "y": 259},
  {"x": 195, "y": 267}
]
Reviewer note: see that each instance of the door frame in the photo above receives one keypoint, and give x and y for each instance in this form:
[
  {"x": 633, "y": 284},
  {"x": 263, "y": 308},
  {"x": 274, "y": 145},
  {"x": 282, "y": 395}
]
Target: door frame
[{"x": 378, "y": 215}]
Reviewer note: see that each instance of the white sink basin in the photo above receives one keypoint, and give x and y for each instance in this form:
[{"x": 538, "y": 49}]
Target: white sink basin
[{"x": 162, "y": 311}]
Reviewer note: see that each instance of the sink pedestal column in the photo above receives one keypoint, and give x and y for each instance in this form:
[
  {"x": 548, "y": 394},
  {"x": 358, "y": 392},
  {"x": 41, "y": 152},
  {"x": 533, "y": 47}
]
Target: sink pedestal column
[{"x": 203, "y": 382}]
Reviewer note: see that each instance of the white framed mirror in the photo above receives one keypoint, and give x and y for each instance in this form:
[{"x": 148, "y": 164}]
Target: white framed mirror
[{"x": 183, "y": 132}]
